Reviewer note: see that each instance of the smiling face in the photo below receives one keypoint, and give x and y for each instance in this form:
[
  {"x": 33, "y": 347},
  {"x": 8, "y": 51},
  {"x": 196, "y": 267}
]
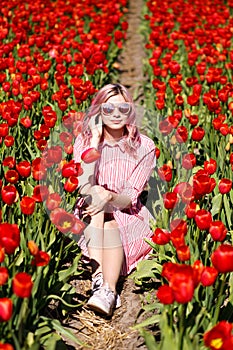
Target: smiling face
[{"x": 115, "y": 112}]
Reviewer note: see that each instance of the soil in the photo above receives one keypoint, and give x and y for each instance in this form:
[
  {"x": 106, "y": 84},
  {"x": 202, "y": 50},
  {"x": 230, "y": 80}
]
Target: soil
[{"x": 115, "y": 332}]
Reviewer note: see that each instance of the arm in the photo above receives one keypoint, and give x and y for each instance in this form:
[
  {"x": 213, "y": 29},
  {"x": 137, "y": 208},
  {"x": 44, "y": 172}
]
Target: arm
[
  {"x": 140, "y": 175},
  {"x": 133, "y": 185},
  {"x": 86, "y": 180}
]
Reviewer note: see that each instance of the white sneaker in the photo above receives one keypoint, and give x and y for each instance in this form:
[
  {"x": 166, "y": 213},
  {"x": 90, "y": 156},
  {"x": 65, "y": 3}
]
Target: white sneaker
[
  {"x": 97, "y": 282},
  {"x": 103, "y": 301}
]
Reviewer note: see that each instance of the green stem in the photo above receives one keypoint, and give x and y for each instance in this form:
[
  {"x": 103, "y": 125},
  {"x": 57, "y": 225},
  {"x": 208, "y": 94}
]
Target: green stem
[
  {"x": 219, "y": 300},
  {"x": 60, "y": 253},
  {"x": 182, "y": 326}
]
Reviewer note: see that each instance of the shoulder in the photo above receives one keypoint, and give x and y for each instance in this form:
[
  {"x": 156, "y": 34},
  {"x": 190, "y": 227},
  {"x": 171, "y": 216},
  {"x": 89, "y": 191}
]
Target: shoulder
[{"x": 147, "y": 143}]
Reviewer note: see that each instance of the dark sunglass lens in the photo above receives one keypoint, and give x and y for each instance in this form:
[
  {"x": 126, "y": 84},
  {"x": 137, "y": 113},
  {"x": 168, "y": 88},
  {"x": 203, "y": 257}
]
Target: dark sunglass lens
[
  {"x": 124, "y": 108},
  {"x": 107, "y": 108}
]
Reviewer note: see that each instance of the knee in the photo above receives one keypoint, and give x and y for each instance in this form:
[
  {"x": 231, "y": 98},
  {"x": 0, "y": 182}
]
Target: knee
[{"x": 109, "y": 225}]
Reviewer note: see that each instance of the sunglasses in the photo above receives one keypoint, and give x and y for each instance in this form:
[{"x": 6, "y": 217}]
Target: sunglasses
[{"x": 108, "y": 108}]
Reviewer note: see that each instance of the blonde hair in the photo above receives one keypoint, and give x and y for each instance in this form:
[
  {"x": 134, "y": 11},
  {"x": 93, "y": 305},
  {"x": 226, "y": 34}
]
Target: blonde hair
[{"x": 132, "y": 135}]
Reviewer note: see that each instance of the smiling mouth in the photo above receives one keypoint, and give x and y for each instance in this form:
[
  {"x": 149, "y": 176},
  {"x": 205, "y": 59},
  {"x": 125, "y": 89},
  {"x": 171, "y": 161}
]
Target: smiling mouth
[{"x": 116, "y": 121}]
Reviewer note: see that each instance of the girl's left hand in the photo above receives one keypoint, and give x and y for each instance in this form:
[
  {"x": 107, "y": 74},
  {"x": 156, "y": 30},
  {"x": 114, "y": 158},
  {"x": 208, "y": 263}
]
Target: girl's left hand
[{"x": 100, "y": 197}]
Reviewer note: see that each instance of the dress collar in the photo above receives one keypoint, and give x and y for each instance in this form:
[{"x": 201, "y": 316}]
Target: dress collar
[{"x": 119, "y": 144}]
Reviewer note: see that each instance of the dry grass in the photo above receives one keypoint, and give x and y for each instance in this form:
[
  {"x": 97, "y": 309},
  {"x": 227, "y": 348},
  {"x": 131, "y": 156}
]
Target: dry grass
[{"x": 98, "y": 333}]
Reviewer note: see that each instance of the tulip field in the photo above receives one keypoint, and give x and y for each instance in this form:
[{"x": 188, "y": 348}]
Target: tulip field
[{"x": 54, "y": 55}]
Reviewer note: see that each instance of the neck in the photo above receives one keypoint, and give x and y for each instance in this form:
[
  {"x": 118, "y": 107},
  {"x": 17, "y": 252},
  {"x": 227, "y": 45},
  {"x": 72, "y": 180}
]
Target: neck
[{"x": 113, "y": 135}]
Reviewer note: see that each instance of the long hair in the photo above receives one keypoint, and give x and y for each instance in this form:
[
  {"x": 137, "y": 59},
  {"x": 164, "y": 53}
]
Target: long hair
[{"x": 132, "y": 135}]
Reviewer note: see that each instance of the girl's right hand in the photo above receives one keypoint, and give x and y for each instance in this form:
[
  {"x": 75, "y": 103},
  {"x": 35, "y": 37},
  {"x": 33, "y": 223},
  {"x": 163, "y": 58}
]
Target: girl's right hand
[{"x": 96, "y": 127}]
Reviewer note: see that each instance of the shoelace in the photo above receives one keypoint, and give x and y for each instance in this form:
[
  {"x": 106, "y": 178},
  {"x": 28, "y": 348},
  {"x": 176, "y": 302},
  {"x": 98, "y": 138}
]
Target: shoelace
[{"x": 97, "y": 281}]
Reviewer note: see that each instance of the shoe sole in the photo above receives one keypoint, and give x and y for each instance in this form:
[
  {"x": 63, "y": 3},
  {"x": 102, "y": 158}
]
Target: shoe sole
[{"x": 97, "y": 308}]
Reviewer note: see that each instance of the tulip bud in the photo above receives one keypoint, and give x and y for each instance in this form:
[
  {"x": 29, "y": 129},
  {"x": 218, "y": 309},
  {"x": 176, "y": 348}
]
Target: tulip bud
[
  {"x": 6, "y": 309},
  {"x": 22, "y": 285}
]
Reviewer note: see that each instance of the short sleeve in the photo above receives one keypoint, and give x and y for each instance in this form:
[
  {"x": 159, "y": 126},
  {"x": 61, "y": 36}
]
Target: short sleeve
[{"x": 140, "y": 175}]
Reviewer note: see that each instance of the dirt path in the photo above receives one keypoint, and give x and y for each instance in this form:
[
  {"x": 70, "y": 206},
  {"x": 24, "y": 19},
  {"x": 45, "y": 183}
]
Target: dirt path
[
  {"x": 116, "y": 333},
  {"x": 130, "y": 60}
]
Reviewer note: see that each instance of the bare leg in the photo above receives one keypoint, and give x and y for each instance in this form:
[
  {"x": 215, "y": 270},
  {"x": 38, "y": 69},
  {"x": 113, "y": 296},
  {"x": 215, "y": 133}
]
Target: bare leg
[
  {"x": 94, "y": 240},
  {"x": 112, "y": 254}
]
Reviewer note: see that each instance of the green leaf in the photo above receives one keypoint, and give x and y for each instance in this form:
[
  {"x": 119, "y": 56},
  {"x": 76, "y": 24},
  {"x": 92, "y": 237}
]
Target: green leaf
[
  {"x": 152, "y": 306},
  {"x": 54, "y": 342},
  {"x": 56, "y": 325},
  {"x": 149, "y": 321},
  {"x": 216, "y": 204},
  {"x": 151, "y": 344},
  {"x": 227, "y": 209},
  {"x": 65, "y": 274},
  {"x": 145, "y": 269}
]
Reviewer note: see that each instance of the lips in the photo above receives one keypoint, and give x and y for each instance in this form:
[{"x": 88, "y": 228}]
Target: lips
[{"x": 116, "y": 121}]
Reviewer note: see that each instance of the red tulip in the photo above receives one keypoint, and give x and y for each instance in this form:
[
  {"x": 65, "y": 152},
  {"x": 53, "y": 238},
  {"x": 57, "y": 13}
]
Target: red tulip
[
  {"x": 193, "y": 119},
  {"x": 161, "y": 236},
  {"x": 179, "y": 102},
  {"x": 33, "y": 248},
  {"x": 6, "y": 346},
  {"x": 191, "y": 210},
  {"x": 165, "y": 173},
  {"x": 26, "y": 122},
  {"x": 165, "y": 295},
  {"x": 218, "y": 230},
  {"x": 3, "y": 275},
  {"x": 174, "y": 67},
  {"x": 78, "y": 227},
  {"x": 202, "y": 184},
  {"x": 224, "y": 186},
  {"x": 198, "y": 133},
  {"x": 41, "y": 258},
  {"x": 218, "y": 335},
  {"x": 90, "y": 155},
  {"x": 189, "y": 161},
  {"x": 4, "y": 129},
  {"x": 6, "y": 309},
  {"x": 182, "y": 285},
  {"x": 9, "y": 237},
  {"x": 210, "y": 166},
  {"x": 2, "y": 254},
  {"x": 203, "y": 219},
  {"x": 38, "y": 169},
  {"x": 9, "y": 140},
  {"x": 222, "y": 258},
  {"x": 198, "y": 268},
  {"x": 185, "y": 190},
  {"x": 11, "y": 176},
  {"x": 179, "y": 225},
  {"x": 183, "y": 253},
  {"x": 27, "y": 205},
  {"x": 160, "y": 103},
  {"x": 40, "y": 193},
  {"x": 22, "y": 285},
  {"x": 71, "y": 184},
  {"x": 24, "y": 168},
  {"x": 53, "y": 201},
  {"x": 53, "y": 155},
  {"x": 9, "y": 162},
  {"x": 177, "y": 238},
  {"x": 208, "y": 276},
  {"x": 71, "y": 169},
  {"x": 62, "y": 220},
  {"x": 165, "y": 126},
  {"x": 181, "y": 134},
  {"x": 193, "y": 100},
  {"x": 170, "y": 199}
]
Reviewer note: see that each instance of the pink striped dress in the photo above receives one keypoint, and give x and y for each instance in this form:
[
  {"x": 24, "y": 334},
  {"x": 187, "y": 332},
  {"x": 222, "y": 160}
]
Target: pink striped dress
[{"x": 120, "y": 172}]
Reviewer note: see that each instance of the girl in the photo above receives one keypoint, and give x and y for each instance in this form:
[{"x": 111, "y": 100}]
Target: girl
[{"x": 118, "y": 222}]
